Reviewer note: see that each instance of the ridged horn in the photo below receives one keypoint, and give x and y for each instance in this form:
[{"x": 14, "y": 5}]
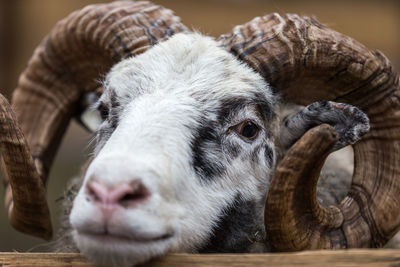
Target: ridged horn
[
  {"x": 305, "y": 62},
  {"x": 66, "y": 65}
]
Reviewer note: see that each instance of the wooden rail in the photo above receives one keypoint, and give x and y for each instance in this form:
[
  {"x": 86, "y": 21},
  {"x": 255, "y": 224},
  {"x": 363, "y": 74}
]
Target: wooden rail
[{"x": 310, "y": 258}]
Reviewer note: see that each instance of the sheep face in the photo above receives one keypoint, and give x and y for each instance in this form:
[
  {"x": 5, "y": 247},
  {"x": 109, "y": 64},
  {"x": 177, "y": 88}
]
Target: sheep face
[{"x": 183, "y": 156}]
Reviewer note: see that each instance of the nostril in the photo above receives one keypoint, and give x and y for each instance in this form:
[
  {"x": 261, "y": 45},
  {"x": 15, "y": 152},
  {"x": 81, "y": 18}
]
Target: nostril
[
  {"x": 123, "y": 194},
  {"x": 136, "y": 193},
  {"x": 129, "y": 197}
]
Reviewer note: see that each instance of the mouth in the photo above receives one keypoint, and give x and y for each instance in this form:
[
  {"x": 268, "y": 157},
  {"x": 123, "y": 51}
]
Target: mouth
[{"x": 115, "y": 238}]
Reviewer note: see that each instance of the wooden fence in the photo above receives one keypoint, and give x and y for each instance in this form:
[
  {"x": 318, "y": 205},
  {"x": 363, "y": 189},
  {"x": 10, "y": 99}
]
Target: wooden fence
[{"x": 309, "y": 258}]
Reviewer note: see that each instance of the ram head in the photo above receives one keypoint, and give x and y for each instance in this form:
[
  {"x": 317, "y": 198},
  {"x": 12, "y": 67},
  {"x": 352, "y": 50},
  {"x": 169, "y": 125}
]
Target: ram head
[{"x": 191, "y": 155}]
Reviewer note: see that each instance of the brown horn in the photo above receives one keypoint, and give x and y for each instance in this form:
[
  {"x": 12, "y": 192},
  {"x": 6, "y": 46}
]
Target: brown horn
[
  {"x": 307, "y": 62},
  {"x": 66, "y": 65},
  {"x": 25, "y": 178}
]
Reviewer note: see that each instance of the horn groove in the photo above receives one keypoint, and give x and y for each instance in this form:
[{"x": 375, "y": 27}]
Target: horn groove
[
  {"x": 70, "y": 60},
  {"x": 25, "y": 210},
  {"x": 306, "y": 62}
]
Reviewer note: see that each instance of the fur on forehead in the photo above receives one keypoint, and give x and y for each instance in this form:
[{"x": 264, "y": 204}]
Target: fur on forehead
[{"x": 188, "y": 64}]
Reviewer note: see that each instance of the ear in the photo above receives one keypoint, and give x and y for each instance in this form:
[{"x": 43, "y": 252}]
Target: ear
[{"x": 349, "y": 122}]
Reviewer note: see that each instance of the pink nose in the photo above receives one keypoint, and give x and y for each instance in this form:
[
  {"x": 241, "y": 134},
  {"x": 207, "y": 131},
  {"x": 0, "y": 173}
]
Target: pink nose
[{"x": 123, "y": 194}]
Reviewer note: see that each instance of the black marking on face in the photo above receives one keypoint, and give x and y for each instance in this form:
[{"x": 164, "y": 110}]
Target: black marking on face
[
  {"x": 114, "y": 99},
  {"x": 231, "y": 149},
  {"x": 264, "y": 106},
  {"x": 232, "y": 105},
  {"x": 208, "y": 159},
  {"x": 238, "y": 228},
  {"x": 111, "y": 122},
  {"x": 255, "y": 154},
  {"x": 115, "y": 110},
  {"x": 269, "y": 155},
  {"x": 229, "y": 107},
  {"x": 265, "y": 153}
]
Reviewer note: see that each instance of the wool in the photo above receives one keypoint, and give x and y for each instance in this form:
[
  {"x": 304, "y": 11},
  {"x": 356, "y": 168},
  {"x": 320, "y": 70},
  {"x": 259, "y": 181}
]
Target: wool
[{"x": 170, "y": 118}]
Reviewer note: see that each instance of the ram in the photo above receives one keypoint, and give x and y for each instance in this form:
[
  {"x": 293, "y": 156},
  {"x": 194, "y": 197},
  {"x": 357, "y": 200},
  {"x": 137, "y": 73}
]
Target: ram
[{"x": 194, "y": 153}]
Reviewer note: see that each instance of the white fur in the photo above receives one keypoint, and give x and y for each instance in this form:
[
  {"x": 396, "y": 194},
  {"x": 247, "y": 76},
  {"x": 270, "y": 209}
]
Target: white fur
[{"x": 162, "y": 95}]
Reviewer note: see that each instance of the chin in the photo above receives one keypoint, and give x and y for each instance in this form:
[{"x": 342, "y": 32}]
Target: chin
[{"x": 119, "y": 251}]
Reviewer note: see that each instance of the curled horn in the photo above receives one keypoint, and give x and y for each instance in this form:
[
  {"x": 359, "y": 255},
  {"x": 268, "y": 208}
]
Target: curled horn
[
  {"x": 65, "y": 66},
  {"x": 307, "y": 62}
]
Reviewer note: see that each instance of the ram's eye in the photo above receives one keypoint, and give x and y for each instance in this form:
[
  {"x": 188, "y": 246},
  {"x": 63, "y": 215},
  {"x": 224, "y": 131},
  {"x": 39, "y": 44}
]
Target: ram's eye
[
  {"x": 104, "y": 111},
  {"x": 247, "y": 129}
]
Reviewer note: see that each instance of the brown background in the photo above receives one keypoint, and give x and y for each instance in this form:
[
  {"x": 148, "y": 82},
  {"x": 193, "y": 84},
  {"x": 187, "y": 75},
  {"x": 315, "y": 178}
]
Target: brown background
[{"x": 23, "y": 23}]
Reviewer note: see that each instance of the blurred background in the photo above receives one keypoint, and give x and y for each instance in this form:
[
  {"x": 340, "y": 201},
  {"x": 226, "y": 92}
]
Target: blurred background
[{"x": 24, "y": 23}]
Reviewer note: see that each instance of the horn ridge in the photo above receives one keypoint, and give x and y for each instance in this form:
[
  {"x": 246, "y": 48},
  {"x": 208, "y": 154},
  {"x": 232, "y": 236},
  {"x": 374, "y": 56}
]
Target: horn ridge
[
  {"x": 305, "y": 62},
  {"x": 25, "y": 211},
  {"x": 67, "y": 64}
]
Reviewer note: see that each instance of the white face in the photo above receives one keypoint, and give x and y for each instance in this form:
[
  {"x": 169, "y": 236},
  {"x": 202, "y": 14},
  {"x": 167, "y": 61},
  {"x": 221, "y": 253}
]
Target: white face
[{"x": 186, "y": 139}]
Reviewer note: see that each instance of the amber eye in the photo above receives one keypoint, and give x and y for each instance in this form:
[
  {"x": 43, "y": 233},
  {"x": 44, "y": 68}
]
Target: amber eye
[
  {"x": 247, "y": 129},
  {"x": 103, "y": 109}
]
